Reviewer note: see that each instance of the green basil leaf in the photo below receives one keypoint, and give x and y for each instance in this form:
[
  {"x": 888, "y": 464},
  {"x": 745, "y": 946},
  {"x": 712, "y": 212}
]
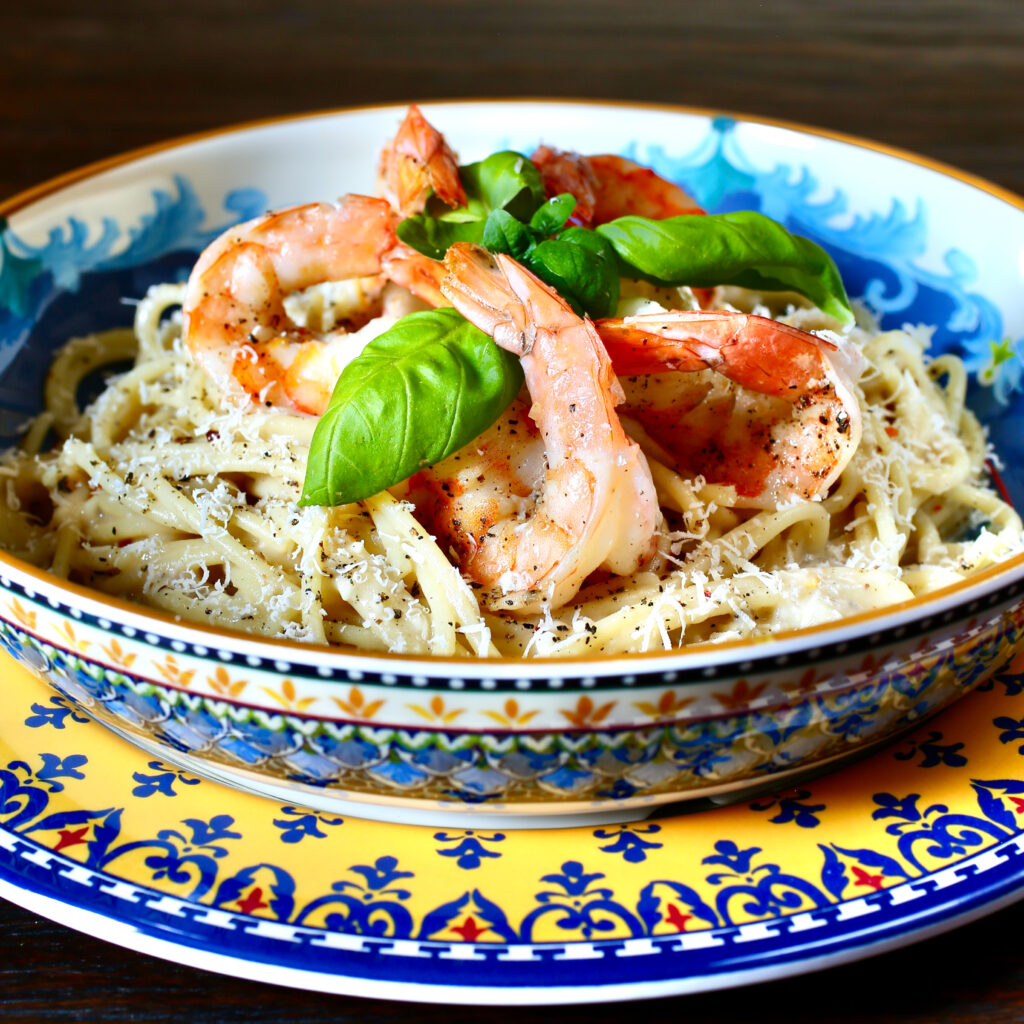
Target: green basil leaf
[
  {"x": 416, "y": 393},
  {"x": 503, "y": 181},
  {"x": 592, "y": 241},
  {"x": 433, "y": 235},
  {"x": 744, "y": 248},
  {"x": 581, "y": 266},
  {"x": 503, "y": 233},
  {"x": 551, "y": 217}
]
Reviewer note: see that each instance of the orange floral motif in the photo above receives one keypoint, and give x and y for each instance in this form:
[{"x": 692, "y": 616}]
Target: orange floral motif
[
  {"x": 222, "y": 683},
  {"x": 174, "y": 673},
  {"x": 742, "y": 694},
  {"x": 805, "y": 684},
  {"x": 356, "y": 705},
  {"x": 669, "y": 703},
  {"x": 585, "y": 712},
  {"x": 66, "y": 632},
  {"x": 26, "y": 616},
  {"x": 436, "y": 711},
  {"x": 510, "y": 714},
  {"x": 869, "y": 664},
  {"x": 288, "y": 698},
  {"x": 117, "y": 655},
  {"x": 927, "y": 642}
]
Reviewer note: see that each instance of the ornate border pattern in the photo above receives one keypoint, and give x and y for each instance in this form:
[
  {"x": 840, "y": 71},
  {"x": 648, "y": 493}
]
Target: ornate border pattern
[{"x": 691, "y": 741}]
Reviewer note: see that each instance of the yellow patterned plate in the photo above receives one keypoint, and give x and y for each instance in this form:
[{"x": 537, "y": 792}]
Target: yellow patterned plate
[{"x": 924, "y": 835}]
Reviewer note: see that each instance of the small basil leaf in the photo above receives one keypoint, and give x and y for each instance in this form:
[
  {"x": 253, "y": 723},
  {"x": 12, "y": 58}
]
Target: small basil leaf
[
  {"x": 433, "y": 235},
  {"x": 502, "y": 181},
  {"x": 416, "y": 393},
  {"x": 503, "y": 233},
  {"x": 551, "y": 217},
  {"x": 744, "y": 248},
  {"x": 582, "y": 268},
  {"x": 593, "y": 241}
]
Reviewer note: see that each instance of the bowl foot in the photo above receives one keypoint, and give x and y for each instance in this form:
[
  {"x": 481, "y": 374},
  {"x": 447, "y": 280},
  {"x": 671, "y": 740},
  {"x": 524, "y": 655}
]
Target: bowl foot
[{"x": 412, "y": 810}]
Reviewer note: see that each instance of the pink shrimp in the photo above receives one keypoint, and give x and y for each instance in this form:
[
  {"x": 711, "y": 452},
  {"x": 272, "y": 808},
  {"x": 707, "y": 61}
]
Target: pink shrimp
[
  {"x": 418, "y": 273},
  {"x": 534, "y": 511},
  {"x": 790, "y": 432},
  {"x": 236, "y": 326},
  {"x": 415, "y": 163},
  {"x": 235, "y": 321},
  {"x": 488, "y": 482},
  {"x": 608, "y": 186}
]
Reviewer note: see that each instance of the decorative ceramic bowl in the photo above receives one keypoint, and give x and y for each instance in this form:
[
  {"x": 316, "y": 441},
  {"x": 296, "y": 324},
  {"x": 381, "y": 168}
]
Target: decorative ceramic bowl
[{"x": 391, "y": 735}]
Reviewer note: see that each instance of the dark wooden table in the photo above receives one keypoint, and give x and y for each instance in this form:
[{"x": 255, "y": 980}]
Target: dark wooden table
[{"x": 83, "y": 81}]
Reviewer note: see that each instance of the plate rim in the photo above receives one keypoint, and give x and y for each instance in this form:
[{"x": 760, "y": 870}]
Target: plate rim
[{"x": 126, "y": 936}]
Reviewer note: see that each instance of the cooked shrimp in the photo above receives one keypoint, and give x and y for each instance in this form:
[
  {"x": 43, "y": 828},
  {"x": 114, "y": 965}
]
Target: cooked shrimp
[
  {"x": 418, "y": 273},
  {"x": 417, "y": 162},
  {"x": 236, "y": 326},
  {"x": 608, "y": 186},
  {"x": 790, "y": 432},
  {"x": 488, "y": 481},
  {"x": 532, "y": 521}
]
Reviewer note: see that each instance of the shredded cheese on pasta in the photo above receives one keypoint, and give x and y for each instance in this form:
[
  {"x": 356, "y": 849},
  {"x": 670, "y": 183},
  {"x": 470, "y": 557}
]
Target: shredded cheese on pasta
[{"x": 161, "y": 493}]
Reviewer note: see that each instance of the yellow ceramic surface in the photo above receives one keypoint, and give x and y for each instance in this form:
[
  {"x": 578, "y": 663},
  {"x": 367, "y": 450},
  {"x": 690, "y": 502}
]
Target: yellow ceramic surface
[{"x": 190, "y": 869}]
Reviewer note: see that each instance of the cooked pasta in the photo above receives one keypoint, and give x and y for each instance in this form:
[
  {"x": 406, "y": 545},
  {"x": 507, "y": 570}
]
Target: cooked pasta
[{"x": 162, "y": 493}]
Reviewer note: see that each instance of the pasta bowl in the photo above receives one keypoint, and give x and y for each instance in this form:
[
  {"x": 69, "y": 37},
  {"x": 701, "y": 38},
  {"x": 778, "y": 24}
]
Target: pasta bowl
[{"x": 526, "y": 740}]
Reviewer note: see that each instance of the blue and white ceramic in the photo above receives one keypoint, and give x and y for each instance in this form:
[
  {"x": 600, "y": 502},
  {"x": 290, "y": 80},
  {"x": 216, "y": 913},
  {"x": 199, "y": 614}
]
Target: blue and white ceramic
[{"x": 391, "y": 735}]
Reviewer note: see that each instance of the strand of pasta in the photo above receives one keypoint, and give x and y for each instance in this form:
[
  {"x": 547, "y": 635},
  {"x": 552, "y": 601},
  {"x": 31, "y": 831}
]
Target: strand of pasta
[
  {"x": 75, "y": 361},
  {"x": 450, "y": 599},
  {"x": 742, "y": 543},
  {"x": 155, "y": 336},
  {"x": 154, "y": 496}
]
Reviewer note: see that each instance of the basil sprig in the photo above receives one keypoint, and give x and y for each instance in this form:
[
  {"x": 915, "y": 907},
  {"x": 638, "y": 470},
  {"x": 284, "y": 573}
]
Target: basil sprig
[
  {"x": 579, "y": 264},
  {"x": 744, "y": 248},
  {"x": 504, "y": 181},
  {"x": 416, "y": 393},
  {"x": 505, "y": 212}
]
